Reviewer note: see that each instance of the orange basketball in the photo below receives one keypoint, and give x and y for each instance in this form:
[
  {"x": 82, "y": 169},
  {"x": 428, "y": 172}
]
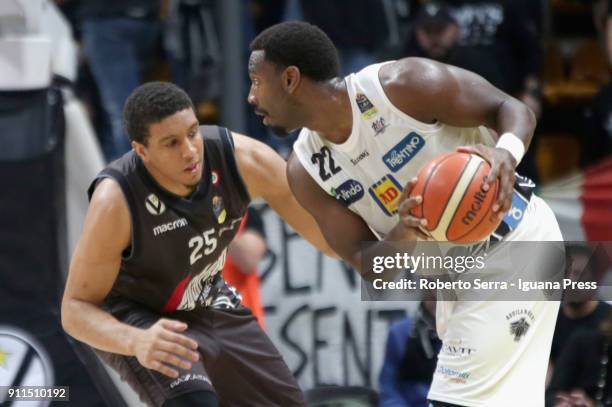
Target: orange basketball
[{"x": 455, "y": 205}]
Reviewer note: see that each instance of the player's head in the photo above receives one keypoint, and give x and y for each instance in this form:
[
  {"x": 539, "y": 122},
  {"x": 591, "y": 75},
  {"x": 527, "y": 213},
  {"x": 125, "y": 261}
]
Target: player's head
[
  {"x": 283, "y": 58},
  {"x": 436, "y": 31},
  {"x": 160, "y": 121}
]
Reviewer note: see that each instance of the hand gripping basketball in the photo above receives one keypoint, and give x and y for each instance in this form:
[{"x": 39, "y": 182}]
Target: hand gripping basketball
[
  {"x": 409, "y": 226},
  {"x": 457, "y": 198},
  {"x": 503, "y": 165}
]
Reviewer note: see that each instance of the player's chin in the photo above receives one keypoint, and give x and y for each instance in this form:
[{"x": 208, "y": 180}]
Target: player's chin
[{"x": 191, "y": 180}]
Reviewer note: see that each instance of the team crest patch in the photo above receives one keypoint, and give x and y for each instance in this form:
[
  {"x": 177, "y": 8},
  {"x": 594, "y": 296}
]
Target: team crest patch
[
  {"x": 379, "y": 126},
  {"x": 386, "y": 192},
  {"x": 520, "y": 320},
  {"x": 519, "y": 328},
  {"x": 154, "y": 205},
  {"x": 366, "y": 107},
  {"x": 214, "y": 178},
  {"x": 218, "y": 209}
]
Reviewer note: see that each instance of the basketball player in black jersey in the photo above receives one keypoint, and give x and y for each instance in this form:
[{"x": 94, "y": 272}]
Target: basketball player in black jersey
[{"x": 144, "y": 287}]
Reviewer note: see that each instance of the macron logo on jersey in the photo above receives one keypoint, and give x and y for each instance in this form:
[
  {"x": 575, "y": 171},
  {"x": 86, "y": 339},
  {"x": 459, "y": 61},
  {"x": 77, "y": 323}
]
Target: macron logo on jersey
[
  {"x": 166, "y": 227},
  {"x": 403, "y": 152}
]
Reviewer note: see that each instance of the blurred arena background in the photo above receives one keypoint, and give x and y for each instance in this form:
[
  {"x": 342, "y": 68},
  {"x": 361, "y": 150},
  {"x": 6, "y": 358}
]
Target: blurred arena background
[{"x": 66, "y": 67}]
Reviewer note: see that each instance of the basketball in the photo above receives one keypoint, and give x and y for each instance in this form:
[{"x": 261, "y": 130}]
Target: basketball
[{"x": 456, "y": 206}]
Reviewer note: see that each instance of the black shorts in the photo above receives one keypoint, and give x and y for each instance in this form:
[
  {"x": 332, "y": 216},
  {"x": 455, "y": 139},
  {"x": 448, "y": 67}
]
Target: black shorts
[{"x": 237, "y": 361}]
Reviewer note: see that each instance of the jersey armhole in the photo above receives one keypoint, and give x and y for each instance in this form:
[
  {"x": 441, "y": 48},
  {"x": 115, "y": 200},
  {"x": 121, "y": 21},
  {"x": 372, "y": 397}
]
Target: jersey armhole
[{"x": 115, "y": 175}]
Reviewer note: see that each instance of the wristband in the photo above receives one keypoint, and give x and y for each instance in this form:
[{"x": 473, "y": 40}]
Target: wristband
[{"x": 513, "y": 145}]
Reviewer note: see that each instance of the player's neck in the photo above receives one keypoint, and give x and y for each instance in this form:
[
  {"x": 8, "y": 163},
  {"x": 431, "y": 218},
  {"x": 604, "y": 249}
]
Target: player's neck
[{"x": 330, "y": 111}]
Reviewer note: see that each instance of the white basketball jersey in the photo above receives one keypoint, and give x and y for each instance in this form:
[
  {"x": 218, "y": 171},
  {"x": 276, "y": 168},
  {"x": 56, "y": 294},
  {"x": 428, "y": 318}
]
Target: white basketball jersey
[{"x": 385, "y": 149}]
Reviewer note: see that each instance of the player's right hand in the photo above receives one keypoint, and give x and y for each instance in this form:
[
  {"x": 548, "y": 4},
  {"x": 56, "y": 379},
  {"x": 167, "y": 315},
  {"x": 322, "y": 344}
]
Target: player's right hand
[
  {"x": 409, "y": 226},
  {"x": 161, "y": 347}
]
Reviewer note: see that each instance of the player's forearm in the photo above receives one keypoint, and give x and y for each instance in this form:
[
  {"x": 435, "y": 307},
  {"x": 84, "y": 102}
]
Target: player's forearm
[
  {"x": 97, "y": 328},
  {"x": 517, "y": 118}
]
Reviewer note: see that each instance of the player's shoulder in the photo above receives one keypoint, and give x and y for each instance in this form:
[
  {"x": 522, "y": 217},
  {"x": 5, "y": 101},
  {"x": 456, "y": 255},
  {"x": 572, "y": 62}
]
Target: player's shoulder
[
  {"x": 412, "y": 72},
  {"x": 108, "y": 223},
  {"x": 415, "y": 85},
  {"x": 108, "y": 200}
]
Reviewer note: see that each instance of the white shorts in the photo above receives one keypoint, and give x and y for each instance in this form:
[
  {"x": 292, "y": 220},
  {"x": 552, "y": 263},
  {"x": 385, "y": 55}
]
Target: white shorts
[{"x": 495, "y": 353}]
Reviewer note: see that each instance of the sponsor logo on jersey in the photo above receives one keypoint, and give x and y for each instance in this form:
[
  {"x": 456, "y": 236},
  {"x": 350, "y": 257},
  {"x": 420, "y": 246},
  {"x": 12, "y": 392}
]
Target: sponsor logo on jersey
[
  {"x": 214, "y": 177},
  {"x": 364, "y": 154},
  {"x": 366, "y": 107},
  {"x": 348, "y": 192},
  {"x": 457, "y": 348},
  {"x": 403, "y": 152},
  {"x": 154, "y": 205},
  {"x": 218, "y": 209},
  {"x": 166, "y": 227},
  {"x": 379, "y": 125},
  {"x": 514, "y": 216},
  {"x": 386, "y": 192},
  {"x": 520, "y": 320},
  {"x": 452, "y": 375}
]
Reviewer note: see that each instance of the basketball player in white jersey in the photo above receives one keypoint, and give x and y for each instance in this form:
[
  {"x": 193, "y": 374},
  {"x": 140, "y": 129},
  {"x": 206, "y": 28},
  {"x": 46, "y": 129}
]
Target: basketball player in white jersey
[{"x": 363, "y": 139}]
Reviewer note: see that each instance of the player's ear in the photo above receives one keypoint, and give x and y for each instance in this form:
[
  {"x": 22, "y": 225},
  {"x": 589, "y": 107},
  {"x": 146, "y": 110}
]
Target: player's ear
[
  {"x": 291, "y": 78},
  {"x": 141, "y": 150}
]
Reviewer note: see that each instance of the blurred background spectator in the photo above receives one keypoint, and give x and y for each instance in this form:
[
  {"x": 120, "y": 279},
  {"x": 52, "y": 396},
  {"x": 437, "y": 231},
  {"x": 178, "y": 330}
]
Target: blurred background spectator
[
  {"x": 580, "y": 309},
  {"x": 119, "y": 38},
  {"x": 410, "y": 360},
  {"x": 241, "y": 266},
  {"x": 496, "y": 39},
  {"x": 582, "y": 376}
]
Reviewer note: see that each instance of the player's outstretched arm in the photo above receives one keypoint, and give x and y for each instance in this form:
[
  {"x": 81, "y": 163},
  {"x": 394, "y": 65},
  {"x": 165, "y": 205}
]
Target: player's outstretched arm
[
  {"x": 430, "y": 91},
  {"x": 264, "y": 174},
  {"x": 93, "y": 270}
]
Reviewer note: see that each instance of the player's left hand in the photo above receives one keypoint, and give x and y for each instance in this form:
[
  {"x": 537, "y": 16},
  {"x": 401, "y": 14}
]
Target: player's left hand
[{"x": 502, "y": 167}]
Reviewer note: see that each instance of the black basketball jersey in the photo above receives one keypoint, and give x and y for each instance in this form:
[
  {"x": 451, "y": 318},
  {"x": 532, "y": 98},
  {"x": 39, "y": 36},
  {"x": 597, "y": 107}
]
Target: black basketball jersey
[{"x": 179, "y": 244}]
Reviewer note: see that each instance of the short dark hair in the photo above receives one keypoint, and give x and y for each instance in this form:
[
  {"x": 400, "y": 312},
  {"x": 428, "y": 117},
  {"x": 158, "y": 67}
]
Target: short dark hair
[
  {"x": 301, "y": 44},
  {"x": 151, "y": 103}
]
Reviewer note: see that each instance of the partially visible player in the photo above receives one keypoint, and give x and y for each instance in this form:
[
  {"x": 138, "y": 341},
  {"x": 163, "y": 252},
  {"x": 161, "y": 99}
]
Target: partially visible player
[
  {"x": 144, "y": 285},
  {"x": 363, "y": 140}
]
